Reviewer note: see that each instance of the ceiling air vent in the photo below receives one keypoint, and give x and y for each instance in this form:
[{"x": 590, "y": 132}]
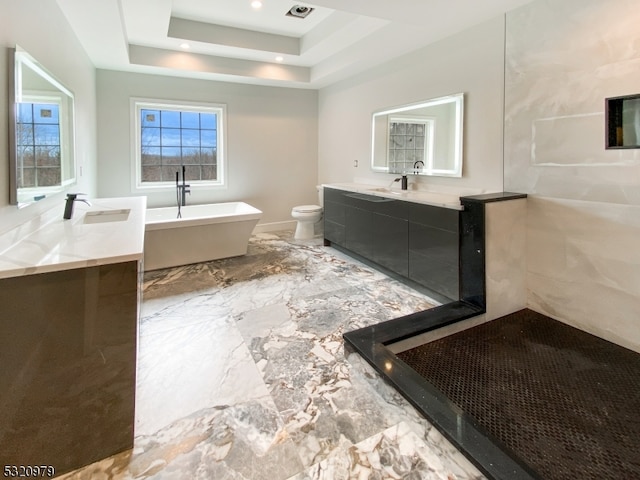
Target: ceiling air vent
[{"x": 299, "y": 11}]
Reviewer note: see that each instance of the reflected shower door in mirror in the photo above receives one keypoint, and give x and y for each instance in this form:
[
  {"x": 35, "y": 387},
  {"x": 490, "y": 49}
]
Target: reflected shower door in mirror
[
  {"x": 422, "y": 138},
  {"x": 41, "y": 132}
]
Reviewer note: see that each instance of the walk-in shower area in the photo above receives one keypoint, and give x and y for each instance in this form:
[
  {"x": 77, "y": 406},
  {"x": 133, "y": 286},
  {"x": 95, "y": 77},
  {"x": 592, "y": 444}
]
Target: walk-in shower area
[
  {"x": 522, "y": 395},
  {"x": 562, "y": 402}
]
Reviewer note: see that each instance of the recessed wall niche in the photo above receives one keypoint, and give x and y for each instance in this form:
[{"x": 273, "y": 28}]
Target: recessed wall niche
[{"x": 622, "y": 116}]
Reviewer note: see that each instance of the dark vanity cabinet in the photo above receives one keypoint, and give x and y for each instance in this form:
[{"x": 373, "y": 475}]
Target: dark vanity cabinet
[
  {"x": 415, "y": 241},
  {"x": 370, "y": 226},
  {"x": 68, "y": 375}
]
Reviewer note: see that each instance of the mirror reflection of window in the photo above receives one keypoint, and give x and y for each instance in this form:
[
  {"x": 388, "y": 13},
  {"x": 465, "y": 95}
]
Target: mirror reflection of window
[
  {"x": 38, "y": 145},
  {"x": 410, "y": 144}
]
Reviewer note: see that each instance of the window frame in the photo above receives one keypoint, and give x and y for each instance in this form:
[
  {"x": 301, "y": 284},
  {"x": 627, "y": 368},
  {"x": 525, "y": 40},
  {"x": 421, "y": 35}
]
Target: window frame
[{"x": 138, "y": 104}]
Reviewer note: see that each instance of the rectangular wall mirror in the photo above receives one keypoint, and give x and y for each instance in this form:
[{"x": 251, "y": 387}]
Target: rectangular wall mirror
[
  {"x": 41, "y": 132},
  {"x": 422, "y": 138}
]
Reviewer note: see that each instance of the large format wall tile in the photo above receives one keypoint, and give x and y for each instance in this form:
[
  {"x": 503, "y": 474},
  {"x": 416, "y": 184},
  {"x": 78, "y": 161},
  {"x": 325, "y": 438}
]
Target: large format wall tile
[
  {"x": 584, "y": 266},
  {"x": 505, "y": 264},
  {"x": 562, "y": 60}
]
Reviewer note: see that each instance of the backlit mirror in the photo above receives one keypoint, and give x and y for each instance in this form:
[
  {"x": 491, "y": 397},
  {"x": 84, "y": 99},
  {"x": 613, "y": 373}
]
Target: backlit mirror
[
  {"x": 41, "y": 128},
  {"x": 421, "y": 138}
]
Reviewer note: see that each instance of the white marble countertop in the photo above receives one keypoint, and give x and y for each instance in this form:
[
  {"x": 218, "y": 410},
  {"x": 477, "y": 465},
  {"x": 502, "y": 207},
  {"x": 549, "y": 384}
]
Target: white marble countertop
[
  {"x": 115, "y": 235},
  {"x": 436, "y": 199}
]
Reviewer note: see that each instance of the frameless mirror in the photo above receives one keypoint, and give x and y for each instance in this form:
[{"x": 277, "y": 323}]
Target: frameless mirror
[
  {"x": 41, "y": 128},
  {"x": 421, "y": 138}
]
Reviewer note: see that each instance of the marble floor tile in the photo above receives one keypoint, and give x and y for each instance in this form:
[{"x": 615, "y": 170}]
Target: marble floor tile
[
  {"x": 186, "y": 369},
  {"x": 395, "y": 453},
  {"x": 242, "y": 374}
]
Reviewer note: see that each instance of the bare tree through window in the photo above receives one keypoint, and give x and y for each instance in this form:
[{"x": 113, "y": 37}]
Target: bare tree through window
[
  {"x": 38, "y": 145},
  {"x": 170, "y": 139}
]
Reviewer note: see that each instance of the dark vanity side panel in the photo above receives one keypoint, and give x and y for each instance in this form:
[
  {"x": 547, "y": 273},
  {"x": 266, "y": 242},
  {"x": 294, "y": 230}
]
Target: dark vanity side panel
[
  {"x": 67, "y": 387},
  {"x": 434, "y": 248}
]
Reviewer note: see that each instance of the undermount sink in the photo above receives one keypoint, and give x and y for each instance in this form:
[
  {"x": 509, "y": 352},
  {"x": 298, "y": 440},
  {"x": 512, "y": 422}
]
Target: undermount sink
[
  {"x": 104, "y": 216},
  {"x": 387, "y": 190},
  {"x": 420, "y": 196}
]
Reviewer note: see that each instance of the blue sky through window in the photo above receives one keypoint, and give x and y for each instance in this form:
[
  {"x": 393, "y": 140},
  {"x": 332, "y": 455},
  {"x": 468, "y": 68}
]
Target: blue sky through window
[
  {"x": 38, "y": 144},
  {"x": 171, "y": 138}
]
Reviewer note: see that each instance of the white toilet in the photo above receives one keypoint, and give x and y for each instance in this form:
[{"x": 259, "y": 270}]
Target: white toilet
[{"x": 307, "y": 216}]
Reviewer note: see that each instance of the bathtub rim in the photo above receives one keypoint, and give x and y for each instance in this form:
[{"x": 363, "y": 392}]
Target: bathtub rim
[{"x": 248, "y": 213}]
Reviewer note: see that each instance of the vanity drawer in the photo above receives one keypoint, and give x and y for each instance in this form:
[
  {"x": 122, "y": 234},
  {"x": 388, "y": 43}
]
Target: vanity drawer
[
  {"x": 434, "y": 259},
  {"x": 334, "y": 216},
  {"x": 334, "y": 212},
  {"x": 442, "y": 218},
  {"x": 380, "y": 205}
]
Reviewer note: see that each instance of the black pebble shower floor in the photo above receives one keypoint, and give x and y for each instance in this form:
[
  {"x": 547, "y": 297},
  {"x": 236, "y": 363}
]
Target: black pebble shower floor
[{"x": 564, "y": 402}]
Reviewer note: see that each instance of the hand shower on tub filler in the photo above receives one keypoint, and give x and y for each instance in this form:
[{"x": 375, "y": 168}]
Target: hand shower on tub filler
[{"x": 181, "y": 190}]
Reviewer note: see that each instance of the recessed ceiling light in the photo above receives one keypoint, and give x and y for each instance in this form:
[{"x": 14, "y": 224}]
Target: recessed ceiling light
[
  {"x": 185, "y": 46},
  {"x": 299, "y": 11},
  {"x": 256, "y": 4},
  {"x": 279, "y": 58}
]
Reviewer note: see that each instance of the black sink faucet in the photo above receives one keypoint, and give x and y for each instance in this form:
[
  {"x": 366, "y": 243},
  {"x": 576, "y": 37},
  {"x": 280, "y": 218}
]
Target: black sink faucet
[
  {"x": 71, "y": 199},
  {"x": 404, "y": 181}
]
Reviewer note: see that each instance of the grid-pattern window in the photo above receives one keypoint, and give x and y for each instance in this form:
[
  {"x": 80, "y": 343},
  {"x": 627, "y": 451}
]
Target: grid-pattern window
[
  {"x": 171, "y": 137},
  {"x": 38, "y": 144}
]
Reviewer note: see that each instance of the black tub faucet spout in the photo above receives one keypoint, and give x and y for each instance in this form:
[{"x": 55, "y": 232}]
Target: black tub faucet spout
[{"x": 182, "y": 188}]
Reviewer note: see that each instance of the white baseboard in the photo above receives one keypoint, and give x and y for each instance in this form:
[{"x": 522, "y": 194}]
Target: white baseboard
[{"x": 275, "y": 226}]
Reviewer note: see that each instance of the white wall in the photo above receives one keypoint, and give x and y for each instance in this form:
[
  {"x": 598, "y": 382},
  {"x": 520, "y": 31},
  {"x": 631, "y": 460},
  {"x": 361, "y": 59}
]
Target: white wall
[
  {"x": 42, "y": 30},
  {"x": 563, "y": 60},
  {"x": 271, "y": 138},
  {"x": 471, "y": 62}
]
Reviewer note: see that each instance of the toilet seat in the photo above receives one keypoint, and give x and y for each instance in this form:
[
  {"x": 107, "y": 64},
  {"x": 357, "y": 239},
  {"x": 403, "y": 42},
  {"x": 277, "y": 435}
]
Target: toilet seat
[{"x": 307, "y": 209}]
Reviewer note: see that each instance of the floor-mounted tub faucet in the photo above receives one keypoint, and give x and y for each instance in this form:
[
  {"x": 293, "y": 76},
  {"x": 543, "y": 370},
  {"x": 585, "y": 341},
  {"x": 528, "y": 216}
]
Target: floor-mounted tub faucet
[
  {"x": 72, "y": 198},
  {"x": 182, "y": 188}
]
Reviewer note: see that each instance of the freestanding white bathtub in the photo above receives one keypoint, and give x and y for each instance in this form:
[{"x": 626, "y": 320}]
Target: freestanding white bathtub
[{"x": 204, "y": 232}]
